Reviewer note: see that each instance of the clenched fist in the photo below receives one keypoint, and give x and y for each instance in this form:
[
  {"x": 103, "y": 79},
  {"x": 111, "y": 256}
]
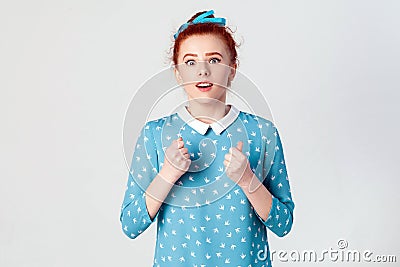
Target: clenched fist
[
  {"x": 177, "y": 160},
  {"x": 237, "y": 166}
]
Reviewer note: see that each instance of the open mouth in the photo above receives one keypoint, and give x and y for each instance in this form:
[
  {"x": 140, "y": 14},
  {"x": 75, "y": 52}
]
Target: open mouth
[{"x": 204, "y": 86}]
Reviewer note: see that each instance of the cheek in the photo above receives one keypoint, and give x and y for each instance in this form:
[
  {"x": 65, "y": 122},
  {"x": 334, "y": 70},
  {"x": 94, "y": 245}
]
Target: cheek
[
  {"x": 188, "y": 73},
  {"x": 191, "y": 90},
  {"x": 220, "y": 70},
  {"x": 188, "y": 76}
]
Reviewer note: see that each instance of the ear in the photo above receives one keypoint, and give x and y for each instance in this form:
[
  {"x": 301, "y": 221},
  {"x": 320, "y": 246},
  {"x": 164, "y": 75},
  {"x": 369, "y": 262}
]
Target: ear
[
  {"x": 232, "y": 72},
  {"x": 178, "y": 76}
]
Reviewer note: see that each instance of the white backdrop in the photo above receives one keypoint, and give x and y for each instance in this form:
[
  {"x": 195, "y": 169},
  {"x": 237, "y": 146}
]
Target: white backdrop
[{"x": 329, "y": 70}]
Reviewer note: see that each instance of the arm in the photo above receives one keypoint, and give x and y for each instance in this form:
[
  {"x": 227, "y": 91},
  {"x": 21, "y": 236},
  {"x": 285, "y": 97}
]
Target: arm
[
  {"x": 134, "y": 216},
  {"x": 235, "y": 163},
  {"x": 260, "y": 198},
  {"x": 272, "y": 200},
  {"x": 141, "y": 207},
  {"x": 157, "y": 192},
  {"x": 176, "y": 163}
]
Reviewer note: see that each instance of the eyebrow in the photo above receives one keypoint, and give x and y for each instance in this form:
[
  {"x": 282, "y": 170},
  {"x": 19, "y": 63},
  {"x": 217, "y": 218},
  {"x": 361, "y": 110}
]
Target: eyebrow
[{"x": 207, "y": 54}]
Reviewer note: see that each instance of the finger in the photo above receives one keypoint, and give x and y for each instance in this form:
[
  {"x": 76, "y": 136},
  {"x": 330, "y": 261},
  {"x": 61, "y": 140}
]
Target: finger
[
  {"x": 180, "y": 142},
  {"x": 184, "y": 150},
  {"x": 239, "y": 146},
  {"x": 175, "y": 143}
]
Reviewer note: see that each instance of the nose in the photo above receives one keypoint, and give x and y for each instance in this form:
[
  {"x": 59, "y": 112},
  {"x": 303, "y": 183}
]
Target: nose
[{"x": 203, "y": 69}]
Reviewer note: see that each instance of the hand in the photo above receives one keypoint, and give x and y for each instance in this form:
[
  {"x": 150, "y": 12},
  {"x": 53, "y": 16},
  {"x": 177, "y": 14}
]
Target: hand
[
  {"x": 177, "y": 161},
  {"x": 237, "y": 166}
]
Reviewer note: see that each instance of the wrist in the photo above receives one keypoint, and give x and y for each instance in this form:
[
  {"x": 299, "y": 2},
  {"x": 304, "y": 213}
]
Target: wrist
[
  {"x": 168, "y": 175},
  {"x": 246, "y": 178},
  {"x": 251, "y": 184}
]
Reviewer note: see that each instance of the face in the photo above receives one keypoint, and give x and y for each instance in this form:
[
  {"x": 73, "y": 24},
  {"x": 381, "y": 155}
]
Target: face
[{"x": 204, "y": 68}]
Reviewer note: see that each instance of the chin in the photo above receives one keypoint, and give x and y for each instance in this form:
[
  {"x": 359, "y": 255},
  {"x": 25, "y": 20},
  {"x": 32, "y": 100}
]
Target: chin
[
  {"x": 205, "y": 100},
  {"x": 209, "y": 97}
]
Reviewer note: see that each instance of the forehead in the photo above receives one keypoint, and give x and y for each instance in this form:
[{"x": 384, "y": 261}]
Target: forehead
[{"x": 200, "y": 44}]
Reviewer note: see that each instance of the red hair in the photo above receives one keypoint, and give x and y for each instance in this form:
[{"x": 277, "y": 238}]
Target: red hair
[{"x": 223, "y": 32}]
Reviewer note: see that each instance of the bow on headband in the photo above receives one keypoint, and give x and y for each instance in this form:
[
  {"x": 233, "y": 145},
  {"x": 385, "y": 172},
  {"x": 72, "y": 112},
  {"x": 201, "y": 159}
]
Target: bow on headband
[{"x": 201, "y": 19}]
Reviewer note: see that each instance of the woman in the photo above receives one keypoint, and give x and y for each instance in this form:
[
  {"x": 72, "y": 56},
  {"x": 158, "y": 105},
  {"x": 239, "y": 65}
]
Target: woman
[{"x": 222, "y": 181}]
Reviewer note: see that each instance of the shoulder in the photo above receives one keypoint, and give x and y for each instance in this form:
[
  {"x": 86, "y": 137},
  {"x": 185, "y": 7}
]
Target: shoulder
[
  {"x": 160, "y": 121},
  {"x": 256, "y": 120},
  {"x": 155, "y": 127}
]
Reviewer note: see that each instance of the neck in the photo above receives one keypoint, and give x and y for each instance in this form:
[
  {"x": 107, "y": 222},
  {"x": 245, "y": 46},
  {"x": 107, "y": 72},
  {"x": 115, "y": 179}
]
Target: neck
[{"x": 208, "y": 112}]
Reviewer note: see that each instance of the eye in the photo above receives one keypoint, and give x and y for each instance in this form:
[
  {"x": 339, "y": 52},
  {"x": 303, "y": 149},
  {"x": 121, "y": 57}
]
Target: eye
[
  {"x": 215, "y": 60},
  {"x": 190, "y": 62}
]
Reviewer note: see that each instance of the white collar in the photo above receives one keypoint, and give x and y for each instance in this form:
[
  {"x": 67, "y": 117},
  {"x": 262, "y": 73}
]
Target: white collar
[{"x": 201, "y": 127}]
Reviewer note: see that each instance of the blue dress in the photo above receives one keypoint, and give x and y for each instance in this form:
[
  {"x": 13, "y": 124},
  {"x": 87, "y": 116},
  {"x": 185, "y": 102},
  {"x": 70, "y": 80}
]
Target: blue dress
[{"x": 207, "y": 220}]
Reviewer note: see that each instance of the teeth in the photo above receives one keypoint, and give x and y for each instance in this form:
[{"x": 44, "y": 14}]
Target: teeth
[{"x": 204, "y": 85}]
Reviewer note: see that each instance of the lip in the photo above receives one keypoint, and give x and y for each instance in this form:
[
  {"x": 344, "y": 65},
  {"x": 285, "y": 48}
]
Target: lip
[{"x": 204, "y": 89}]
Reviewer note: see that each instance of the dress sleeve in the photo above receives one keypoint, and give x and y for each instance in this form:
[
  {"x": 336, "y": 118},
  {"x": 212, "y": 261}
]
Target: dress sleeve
[
  {"x": 280, "y": 217},
  {"x": 134, "y": 216}
]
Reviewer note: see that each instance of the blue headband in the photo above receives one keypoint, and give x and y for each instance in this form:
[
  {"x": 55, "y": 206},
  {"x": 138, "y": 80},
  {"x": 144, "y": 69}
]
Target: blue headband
[{"x": 201, "y": 19}]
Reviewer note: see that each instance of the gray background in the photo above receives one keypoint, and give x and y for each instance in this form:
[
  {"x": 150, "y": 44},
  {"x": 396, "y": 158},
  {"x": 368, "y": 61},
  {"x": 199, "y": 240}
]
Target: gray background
[{"x": 329, "y": 70}]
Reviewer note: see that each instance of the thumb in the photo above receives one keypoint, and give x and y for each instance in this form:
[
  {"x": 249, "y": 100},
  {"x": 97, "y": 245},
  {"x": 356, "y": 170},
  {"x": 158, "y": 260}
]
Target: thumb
[
  {"x": 239, "y": 146},
  {"x": 180, "y": 139}
]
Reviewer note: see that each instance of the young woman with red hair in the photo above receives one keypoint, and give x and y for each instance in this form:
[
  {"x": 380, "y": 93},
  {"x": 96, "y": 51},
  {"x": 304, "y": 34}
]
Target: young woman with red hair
[{"x": 222, "y": 182}]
